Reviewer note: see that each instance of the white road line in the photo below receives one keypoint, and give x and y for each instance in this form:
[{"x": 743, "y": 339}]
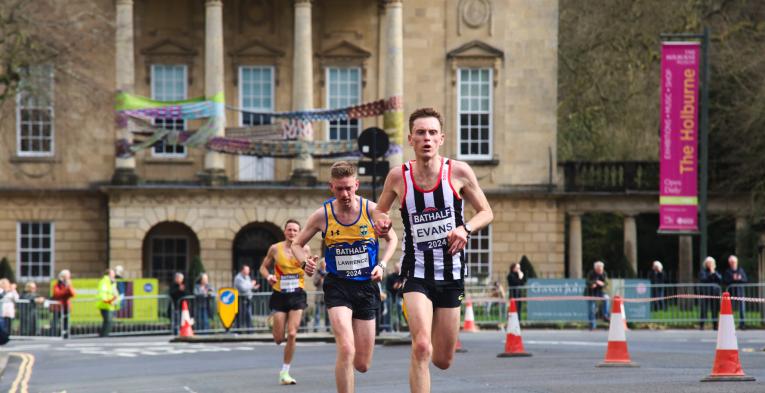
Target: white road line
[{"x": 576, "y": 343}]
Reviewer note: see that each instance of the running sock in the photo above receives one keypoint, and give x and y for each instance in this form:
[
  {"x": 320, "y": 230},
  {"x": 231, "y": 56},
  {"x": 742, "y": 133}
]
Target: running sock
[{"x": 285, "y": 368}]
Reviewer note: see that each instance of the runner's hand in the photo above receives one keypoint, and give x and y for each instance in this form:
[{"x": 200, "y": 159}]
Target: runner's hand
[
  {"x": 457, "y": 240},
  {"x": 377, "y": 273},
  {"x": 271, "y": 280},
  {"x": 382, "y": 224},
  {"x": 310, "y": 265}
]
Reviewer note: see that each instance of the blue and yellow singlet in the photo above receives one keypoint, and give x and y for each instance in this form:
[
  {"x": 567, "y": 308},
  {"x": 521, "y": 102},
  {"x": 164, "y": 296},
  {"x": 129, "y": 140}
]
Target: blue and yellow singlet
[{"x": 350, "y": 251}]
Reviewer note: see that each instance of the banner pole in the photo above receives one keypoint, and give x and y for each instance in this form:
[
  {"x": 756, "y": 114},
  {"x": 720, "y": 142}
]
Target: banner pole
[{"x": 704, "y": 145}]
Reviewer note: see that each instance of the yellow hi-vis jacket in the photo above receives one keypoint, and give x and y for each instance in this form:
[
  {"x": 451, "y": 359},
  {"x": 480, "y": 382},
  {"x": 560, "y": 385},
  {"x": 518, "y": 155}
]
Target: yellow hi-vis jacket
[{"x": 108, "y": 296}]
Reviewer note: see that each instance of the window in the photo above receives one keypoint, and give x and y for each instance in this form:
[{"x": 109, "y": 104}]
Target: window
[
  {"x": 256, "y": 93},
  {"x": 343, "y": 89},
  {"x": 168, "y": 83},
  {"x": 35, "y": 250},
  {"x": 474, "y": 113},
  {"x": 169, "y": 255},
  {"x": 478, "y": 253},
  {"x": 34, "y": 112}
]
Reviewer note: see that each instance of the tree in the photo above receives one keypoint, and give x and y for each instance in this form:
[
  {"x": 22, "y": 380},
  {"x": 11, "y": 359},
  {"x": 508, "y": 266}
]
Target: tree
[
  {"x": 527, "y": 268},
  {"x": 6, "y": 271},
  {"x": 196, "y": 268}
]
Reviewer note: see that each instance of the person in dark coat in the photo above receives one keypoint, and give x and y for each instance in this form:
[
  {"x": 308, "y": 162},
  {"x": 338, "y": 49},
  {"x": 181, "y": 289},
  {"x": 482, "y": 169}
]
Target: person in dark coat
[
  {"x": 177, "y": 292},
  {"x": 515, "y": 280},
  {"x": 733, "y": 277},
  {"x": 709, "y": 275},
  {"x": 597, "y": 282},
  {"x": 657, "y": 285}
]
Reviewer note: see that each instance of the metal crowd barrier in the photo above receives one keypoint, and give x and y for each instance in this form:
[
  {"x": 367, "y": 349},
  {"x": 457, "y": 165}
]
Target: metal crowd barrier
[
  {"x": 137, "y": 315},
  {"x": 31, "y": 318}
]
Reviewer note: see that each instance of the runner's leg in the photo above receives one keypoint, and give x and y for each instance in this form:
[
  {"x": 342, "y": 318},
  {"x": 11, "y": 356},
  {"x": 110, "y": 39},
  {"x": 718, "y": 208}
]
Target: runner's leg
[
  {"x": 342, "y": 326},
  {"x": 446, "y": 327},
  {"x": 419, "y": 311},
  {"x": 280, "y": 318},
  {"x": 293, "y": 322},
  {"x": 364, "y": 340}
]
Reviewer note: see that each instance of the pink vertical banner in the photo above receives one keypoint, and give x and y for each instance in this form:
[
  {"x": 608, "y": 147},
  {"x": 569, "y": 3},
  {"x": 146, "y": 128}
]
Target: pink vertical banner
[{"x": 678, "y": 157}]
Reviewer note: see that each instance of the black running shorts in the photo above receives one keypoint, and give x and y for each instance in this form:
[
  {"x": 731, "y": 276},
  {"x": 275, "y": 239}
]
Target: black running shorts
[
  {"x": 443, "y": 294},
  {"x": 286, "y": 302},
  {"x": 362, "y": 297}
]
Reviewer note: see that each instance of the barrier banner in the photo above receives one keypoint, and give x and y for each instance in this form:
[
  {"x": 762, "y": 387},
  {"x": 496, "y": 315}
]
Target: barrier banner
[
  {"x": 633, "y": 289},
  {"x": 678, "y": 155},
  {"x": 556, "y": 310}
]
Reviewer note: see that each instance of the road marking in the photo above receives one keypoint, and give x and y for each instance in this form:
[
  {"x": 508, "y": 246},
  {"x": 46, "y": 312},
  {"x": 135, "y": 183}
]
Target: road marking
[
  {"x": 24, "y": 373},
  {"x": 188, "y": 389},
  {"x": 577, "y": 343}
]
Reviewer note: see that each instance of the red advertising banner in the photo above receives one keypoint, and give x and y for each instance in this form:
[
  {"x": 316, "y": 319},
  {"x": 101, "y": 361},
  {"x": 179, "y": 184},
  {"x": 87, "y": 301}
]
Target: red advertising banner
[{"x": 678, "y": 157}]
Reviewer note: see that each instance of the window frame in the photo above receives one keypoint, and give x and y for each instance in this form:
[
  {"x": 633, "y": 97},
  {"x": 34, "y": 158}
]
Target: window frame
[
  {"x": 327, "y": 98},
  {"x": 261, "y": 174},
  {"x": 153, "y": 272},
  {"x": 185, "y": 94},
  {"x": 458, "y": 121},
  {"x": 489, "y": 265},
  {"x": 52, "y": 113},
  {"x": 52, "y": 251}
]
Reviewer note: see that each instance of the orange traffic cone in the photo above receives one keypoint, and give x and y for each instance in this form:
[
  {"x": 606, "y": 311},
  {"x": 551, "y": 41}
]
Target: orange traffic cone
[
  {"x": 469, "y": 325},
  {"x": 513, "y": 340},
  {"x": 186, "y": 321},
  {"x": 459, "y": 348},
  {"x": 624, "y": 318},
  {"x": 617, "y": 354},
  {"x": 727, "y": 366}
]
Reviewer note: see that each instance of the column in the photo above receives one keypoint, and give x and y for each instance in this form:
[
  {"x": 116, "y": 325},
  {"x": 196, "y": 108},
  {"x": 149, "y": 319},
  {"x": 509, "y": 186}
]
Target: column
[
  {"x": 393, "y": 120},
  {"x": 741, "y": 231},
  {"x": 214, "y": 170},
  {"x": 124, "y": 168},
  {"x": 685, "y": 265},
  {"x": 630, "y": 241},
  {"x": 302, "y": 86},
  {"x": 574, "y": 245}
]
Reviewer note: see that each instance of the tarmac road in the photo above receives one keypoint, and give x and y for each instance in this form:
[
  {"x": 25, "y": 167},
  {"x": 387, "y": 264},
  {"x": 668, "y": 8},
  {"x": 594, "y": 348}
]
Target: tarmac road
[{"x": 671, "y": 361}]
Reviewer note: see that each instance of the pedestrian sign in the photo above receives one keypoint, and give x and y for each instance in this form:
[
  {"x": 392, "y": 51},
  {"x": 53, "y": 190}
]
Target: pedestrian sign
[{"x": 228, "y": 306}]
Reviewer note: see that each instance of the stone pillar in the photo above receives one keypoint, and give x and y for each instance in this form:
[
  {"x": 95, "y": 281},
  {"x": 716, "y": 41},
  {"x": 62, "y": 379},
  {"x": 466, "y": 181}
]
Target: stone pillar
[
  {"x": 685, "y": 265},
  {"x": 393, "y": 120},
  {"x": 630, "y": 241},
  {"x": 124, "y": 168},
  {"x": 741, "y": 233},
  {"x": 302, "y": 85},
  {"x": 214, "y": 171},
  {"x": 574, "y": 245}
]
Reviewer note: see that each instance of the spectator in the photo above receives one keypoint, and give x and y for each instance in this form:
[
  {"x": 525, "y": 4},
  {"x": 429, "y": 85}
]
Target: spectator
[
  {"x": 597, "y": 282},
  {"x": 108, "y": 301},
  {"x": 203, "y": 295},
  {"x": 393, "y": 284},
  {"x": 244, "y": 283},
  {"x": 657, "y": 285},
  {"x": 8, "y": 302},
  {"x": 319, "y": 308},
  {"x": 734, "y": 276},
  {"x": 28, "y": 310},
  {"x": 497, "y": 291},
  {"x": 177, "y": 292},
  {"x": 119, "y": 272},
  {"x": 515, "y": 280},
  {"x": 709, "y": 275},
  {"x": 63, "y": 292}
]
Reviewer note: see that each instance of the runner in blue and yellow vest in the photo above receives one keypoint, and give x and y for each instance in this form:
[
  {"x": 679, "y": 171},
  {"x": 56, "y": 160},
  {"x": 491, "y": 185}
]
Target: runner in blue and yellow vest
[
  {"x": 289, "y": 298},
  {"x": 354, "y": 270}
]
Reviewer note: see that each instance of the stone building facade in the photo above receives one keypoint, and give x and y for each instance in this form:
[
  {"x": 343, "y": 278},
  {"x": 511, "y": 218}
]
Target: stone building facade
[{"x": 490, "y": 66}]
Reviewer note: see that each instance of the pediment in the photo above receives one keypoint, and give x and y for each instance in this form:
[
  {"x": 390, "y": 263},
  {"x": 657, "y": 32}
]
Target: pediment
[
  {"x": 345, "y": 49},
  {"x": 168, "y": 48},
  {"x": 256, "y": 48},
  {"x": 475, "y": 49}
]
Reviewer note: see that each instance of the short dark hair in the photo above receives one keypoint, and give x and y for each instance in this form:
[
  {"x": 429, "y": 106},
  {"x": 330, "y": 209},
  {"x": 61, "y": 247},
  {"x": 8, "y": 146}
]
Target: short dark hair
[
  {"x": 425, "y": 112},
  {"x": 292, "y": 221},
  {"x": 342, "y": 169}
]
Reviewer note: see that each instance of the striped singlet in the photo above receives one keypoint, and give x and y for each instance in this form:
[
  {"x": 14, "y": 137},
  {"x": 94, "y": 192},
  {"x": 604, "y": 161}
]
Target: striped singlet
[
  {"x": 289, "y": 274},
  {"x": 350, "y": 249},
  {"x": 428, "y": 216}
]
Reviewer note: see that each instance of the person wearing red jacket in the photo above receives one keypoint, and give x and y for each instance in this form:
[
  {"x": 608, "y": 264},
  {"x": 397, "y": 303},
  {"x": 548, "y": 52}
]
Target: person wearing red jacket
[{"x": 63, "y": 292}]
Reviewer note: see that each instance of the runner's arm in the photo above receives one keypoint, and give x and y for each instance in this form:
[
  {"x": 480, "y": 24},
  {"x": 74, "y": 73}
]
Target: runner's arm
[
  {"x": 473, "y": 194},
  {"x": 391, "y": 240},
  {"x": 390, "y": 190},
  {"x": 299, "y": 246},
  {"x": 268, "y": 260}
]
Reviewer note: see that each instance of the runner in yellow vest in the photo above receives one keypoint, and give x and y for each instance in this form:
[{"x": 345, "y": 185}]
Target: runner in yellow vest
[{"x": 289, "y": 298}]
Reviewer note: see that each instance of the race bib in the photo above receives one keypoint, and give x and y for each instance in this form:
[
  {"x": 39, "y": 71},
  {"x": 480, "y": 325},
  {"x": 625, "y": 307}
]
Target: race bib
[
  {"x": 289, "y": 283},
  {"x": 430, "y": 227},
  {"x": 350, "y": 261}
]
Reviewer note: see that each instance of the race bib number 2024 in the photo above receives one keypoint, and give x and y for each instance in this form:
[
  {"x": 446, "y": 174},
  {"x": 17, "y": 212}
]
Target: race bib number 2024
[{"x": 430, "y": 228}]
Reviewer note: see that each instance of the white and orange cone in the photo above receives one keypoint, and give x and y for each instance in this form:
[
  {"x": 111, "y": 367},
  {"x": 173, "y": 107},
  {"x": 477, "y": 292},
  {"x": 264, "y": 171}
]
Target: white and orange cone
[
  {"x": 513, "y": 340},
  {"x": 186, "y": 321},
  {"x": 617, "y": 354},
  {"x": 727, "y": 365},
  {"x": 458, "y": 348},
  {"x": 469, "y": 325}
]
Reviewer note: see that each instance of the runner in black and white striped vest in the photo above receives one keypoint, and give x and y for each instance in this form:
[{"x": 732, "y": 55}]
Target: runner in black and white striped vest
[
  {"x": 431, "y": 190},
  {"x": 429, "y": 216}
]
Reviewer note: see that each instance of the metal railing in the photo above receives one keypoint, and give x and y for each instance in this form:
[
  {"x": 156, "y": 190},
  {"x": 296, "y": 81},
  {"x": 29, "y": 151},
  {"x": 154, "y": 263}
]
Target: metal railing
[
  {"x": 33, "y": 318},
  {"x": 137, "y": 315}
]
